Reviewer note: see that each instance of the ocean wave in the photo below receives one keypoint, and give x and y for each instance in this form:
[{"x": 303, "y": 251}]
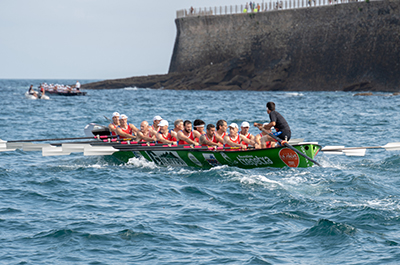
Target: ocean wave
[
  {"x": 142, "y": 163},
  {"x": 327, "y": 228}
]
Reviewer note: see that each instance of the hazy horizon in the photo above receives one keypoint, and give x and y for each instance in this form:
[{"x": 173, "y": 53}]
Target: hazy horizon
[{"x": 89, "y": 39}]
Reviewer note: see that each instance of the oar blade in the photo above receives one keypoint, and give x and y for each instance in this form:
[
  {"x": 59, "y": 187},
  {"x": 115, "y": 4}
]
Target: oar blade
[
  {"x": 4, "y": 148},
  {"x": 392, "y": 146},
  {"x": 73, "y": 147},
  {"x": 53, "y": 151},
  {"x": 14, "y": 145},
  {"x": 33, "y": 147},
  {"x": 355, "y": 152},
  {"x": 99, "y": 150}
]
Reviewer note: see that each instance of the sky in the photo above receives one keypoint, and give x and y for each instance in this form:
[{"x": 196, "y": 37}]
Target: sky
[{"x": 89, "y": 39}]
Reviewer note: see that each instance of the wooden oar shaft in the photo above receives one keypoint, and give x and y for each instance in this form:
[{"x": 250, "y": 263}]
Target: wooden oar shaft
[{"x": 62, "y": 139}]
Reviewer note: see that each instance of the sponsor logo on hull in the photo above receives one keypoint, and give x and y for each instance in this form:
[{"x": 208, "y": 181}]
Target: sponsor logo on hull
[
  {"x": 289, "y": 157},
  {"x": 166, "y": 158},
  {"x": 194, "y": 159},
  {"x": 250, "y": 160},
  {"x": 210, "y": 158}
]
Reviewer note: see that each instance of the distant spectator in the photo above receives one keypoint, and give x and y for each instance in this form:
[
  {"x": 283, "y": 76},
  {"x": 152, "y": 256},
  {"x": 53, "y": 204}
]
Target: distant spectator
[
  {"x": 191, "y": 10},
  {"x": 258, "y": 7},
  {"x": 246, "y": 6}
]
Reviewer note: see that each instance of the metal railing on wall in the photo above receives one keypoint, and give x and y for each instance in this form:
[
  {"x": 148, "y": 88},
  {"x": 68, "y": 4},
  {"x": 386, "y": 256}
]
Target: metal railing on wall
[{"x": 262, "y": 7}]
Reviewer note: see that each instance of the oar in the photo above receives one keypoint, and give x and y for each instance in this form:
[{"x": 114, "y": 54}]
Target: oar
[
  {"x": 292, "y": 148},
  {"x": 358, "y": 151}
]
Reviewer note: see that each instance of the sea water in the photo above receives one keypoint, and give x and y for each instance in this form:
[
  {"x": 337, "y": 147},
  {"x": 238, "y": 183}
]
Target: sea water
[{"x": 95, "y": 210}]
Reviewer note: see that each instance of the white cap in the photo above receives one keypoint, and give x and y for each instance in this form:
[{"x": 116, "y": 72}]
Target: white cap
[
  {"x": 115, "y": 114},
  {"x": 234, "y": 125},
  {"x": 157, "y": 118},
  {"x": 245, "y": 124},
  {"x": 123, "y": 116},
  {"x": 163, "y": 123}
]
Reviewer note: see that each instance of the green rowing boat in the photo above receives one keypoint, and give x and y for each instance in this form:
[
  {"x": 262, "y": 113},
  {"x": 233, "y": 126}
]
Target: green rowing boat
[{"x": 278, "y": 157}]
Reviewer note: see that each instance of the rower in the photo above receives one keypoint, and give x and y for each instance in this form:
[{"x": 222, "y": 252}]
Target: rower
[
  {"x": 220, "y": 133},
  {"x": 209, "y": 139},
  {"x": 145, "y": 134},
  {"x": 198, "y": 129},
  {"x": 156, "y": 121},
  {"x": 234, "y": 139},
  {"x": 163, "y": 135},
  {"x": 114, "y": 124},
  {"x": 178, "y": 126},
  {"x": 262, "y": 141},
  {"x": 126, "y": 129},
  {"x": 186, "y": 135},
  {"x": 245, "y": 126}
]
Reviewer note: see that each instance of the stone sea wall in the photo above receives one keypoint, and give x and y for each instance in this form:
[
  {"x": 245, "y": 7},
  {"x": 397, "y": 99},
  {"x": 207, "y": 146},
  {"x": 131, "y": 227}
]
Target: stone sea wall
[{"x": 350, "y": 47}]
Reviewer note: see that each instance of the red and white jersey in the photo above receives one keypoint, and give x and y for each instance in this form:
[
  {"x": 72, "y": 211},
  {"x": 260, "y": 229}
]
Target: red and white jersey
[
  {"x": 213, "y": 139},
  {"x": 236, "y": 141},
  {"x": 248, "y": 136},
  {"x": 127, "y": 130},
  {"x": 191, "y": 137},
  {"x": 167, "y": 137},
  {"x": 147, "y": 134}
]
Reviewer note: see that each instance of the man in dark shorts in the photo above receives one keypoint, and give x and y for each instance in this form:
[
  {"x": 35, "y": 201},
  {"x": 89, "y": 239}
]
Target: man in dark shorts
[{"x": 277, "y": 121}]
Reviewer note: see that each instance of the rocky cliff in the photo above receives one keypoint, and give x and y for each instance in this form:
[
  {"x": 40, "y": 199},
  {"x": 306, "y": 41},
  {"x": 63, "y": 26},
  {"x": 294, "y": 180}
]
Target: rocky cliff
[{"x": 350, "y": 47}]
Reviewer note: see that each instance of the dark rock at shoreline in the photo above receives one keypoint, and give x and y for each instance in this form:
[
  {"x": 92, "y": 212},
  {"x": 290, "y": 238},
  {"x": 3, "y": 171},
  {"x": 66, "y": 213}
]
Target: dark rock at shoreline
[{"x": 302, "y": 49}]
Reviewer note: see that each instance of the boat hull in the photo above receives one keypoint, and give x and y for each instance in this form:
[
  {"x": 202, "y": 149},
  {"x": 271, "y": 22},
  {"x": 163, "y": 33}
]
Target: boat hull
[
  {"x": 68, "y": 94},
  {"x": 273, "y": 157}
]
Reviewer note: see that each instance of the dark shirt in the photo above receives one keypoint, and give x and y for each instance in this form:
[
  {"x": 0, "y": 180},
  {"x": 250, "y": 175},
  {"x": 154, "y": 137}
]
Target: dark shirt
[{"x": 280, "y": 122}]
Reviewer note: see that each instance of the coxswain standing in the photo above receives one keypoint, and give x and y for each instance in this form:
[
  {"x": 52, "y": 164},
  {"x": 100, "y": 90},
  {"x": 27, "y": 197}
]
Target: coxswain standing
[
  {"x": 186, "y": 135},
  {"x": 126, "y": 129},
  {"x": 163, "y": 135},
  {"x": 209, "y": 139},
  {"x": 245, "y": 126},
  {"x": 146, "y": 134},
  {"x": 114, "y": 124},
  {"x": 233, "y": 139},
  {"x": 277, "y": 121}
]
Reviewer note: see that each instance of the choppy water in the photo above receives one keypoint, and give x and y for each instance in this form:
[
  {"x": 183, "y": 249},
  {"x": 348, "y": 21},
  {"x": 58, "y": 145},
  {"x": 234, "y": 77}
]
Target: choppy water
[{"x": 95, "y": 210}]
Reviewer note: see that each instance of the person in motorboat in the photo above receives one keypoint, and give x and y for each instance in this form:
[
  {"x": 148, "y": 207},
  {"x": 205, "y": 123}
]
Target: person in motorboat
[
  {"x": 209, "y": 138},
  {"x": 77, "y": 86},
  {"x": 234, "y": 139},
  {"x": 32, "y": 92},
  {"x": 125, "y": 129},
  {"x": 245, "y": 126},
  {"x": 186, "y": 136},
  {"x": 164, "y": 135},
  {"x": 114, "y": 124},
  {"x": 198, "y": 129},
  {"x": 156, "y": 120},
  {"x": 145, "y": 134},
  {"x": 263, "y": 143}
]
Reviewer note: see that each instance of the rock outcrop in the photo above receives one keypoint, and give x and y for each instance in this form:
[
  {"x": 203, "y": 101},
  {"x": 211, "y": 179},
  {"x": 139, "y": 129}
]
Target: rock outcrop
[{"x": 348, "y": 47}]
